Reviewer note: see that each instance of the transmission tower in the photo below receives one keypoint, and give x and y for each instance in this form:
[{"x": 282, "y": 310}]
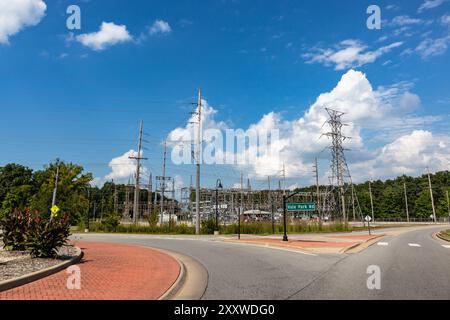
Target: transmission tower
[{"x": 340, "y": 174}]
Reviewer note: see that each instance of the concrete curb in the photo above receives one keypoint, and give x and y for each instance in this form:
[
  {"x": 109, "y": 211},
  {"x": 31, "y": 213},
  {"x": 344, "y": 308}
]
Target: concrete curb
[
  {"x": 192, "y": 280},
  {"x": 31, "y": 277},
  {"x": 436, "y": 235},
  {"x": 358, "y": 247}
]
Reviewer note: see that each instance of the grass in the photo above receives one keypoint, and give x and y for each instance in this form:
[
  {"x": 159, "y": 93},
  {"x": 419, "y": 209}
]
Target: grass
[{"x": 259, "y": 228}]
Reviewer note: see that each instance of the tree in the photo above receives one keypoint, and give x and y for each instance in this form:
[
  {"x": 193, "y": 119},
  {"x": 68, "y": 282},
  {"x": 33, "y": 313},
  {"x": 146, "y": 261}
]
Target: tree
[
  {"x": 13, "y": 175},
  {"x": 422, "y": 205},
  {"x": 71, "y": 195}
]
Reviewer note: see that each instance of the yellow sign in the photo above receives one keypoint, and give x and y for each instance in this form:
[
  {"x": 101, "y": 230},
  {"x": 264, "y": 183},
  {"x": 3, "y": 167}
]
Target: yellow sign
[{"x": 55, "y": 209}]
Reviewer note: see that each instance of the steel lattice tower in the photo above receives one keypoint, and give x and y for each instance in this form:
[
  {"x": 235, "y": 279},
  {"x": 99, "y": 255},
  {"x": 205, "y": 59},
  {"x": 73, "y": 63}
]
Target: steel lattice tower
[{"x": 340, "y": 174}]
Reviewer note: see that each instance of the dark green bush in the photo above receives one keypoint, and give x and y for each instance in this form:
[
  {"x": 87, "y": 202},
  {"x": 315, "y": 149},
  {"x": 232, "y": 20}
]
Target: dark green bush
[
  {"x": 208, "y": 226},
  {"x": 111, "y": 221}
]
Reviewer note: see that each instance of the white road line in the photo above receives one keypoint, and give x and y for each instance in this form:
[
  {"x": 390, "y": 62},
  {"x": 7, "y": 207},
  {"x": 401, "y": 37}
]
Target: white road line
[
  {"x": 446, "y": 246},
  {"x": 265, "y": 245},
  {"x": 382, "y": 243},
  {"x": 414, "y": 245}
]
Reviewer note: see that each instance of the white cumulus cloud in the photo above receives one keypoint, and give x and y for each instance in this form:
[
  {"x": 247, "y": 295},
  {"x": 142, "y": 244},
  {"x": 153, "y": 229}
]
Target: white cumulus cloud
[
  {"x": 108, "y": 35},
  {"x": 18, "y": 14},
  {"x": 385, "y": 111},
  {"x": 430, "y": 4},
  {"x": 160, "y": 27},
  {"x": 347, "y": 54}
]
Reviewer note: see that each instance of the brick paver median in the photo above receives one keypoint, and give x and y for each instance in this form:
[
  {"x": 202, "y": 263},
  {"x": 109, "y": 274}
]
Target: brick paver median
[
  {"x": 331, "y": 244},
  {"x": 108, "y": 271}
]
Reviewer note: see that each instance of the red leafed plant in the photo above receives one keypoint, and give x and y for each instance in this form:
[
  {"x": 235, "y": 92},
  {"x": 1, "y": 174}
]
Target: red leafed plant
[{"x": 33, "y": 232}]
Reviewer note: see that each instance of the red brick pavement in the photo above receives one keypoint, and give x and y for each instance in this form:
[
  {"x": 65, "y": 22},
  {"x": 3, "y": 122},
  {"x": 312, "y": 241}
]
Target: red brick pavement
[{"x": 108, "y": 272}]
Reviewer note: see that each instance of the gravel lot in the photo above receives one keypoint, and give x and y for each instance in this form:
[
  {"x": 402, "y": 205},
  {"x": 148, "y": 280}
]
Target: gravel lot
[{"x": 14, "y": 264}]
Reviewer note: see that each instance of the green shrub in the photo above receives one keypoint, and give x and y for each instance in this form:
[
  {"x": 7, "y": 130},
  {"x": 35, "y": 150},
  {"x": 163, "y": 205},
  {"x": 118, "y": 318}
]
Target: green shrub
[
  {"x": 111, "y": 221},
  {"x": 208, "y": 226}
]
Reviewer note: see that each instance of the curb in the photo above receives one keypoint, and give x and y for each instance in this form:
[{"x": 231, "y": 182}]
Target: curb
[
  {"x": 31, "y": 277},
  {"x": 178, "y": 284},
  {"x": 358, "y": 247},
  {"x": 436, "y": 235},
  {"x": 192, "y": 280}
]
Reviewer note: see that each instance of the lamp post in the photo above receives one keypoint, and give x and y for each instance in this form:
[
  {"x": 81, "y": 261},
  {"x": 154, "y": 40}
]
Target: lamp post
[{"x": 218, "y": 186}]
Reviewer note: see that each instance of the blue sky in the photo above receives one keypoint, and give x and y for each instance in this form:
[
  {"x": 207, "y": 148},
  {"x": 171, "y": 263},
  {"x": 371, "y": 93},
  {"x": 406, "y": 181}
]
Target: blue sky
[{"x": 62, "y": 97}]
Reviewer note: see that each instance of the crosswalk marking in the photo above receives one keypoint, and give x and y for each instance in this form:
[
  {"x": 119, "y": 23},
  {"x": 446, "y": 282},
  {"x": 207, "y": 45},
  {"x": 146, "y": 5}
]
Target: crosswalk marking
[
  {"x": 414, "y": 244},
  {"x": 383, "y": 243},
  {"x": 446, "y": 246}
]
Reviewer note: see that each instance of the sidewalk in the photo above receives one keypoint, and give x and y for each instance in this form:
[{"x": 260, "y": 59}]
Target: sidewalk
[{"x": 108, "y": 272}]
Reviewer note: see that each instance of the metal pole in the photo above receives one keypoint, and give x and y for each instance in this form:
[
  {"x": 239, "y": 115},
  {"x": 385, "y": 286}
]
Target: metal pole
[
  {"x": 271, "y": 206},
  {"x": 197, "y": 191},
  {"x": 163, "y": 186},
  {"x": 371, "y": 201},
  {"x": 217, "y": 209},
  {"x": 55, "y": 188},
  {"x": 138, "y": 168},
  {"x": 241, "y": 208},
  {"x": 285, "y": 237},
  {"x": 317, "y": 190},
  {"x": 448, "y": 205},
  {"x": 406, "y": 202},
  {"x": 431, "y": 196}
]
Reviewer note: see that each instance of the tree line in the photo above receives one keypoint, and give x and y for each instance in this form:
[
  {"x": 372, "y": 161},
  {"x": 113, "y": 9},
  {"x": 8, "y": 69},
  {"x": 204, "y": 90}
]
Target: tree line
[{"x": 24, "y": 189}]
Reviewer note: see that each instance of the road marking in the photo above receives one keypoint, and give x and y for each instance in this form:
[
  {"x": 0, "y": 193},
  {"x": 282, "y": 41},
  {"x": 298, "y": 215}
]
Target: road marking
[
  {"x": 265, "y": 245},
  {"x": 414, "y": 244},
  {"x": 382, "y": 243},
  {"x": 446, "y": 246}
]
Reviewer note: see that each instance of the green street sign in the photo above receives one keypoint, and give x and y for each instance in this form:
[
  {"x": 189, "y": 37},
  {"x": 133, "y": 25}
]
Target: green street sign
[{"x": 311, "y": 206}]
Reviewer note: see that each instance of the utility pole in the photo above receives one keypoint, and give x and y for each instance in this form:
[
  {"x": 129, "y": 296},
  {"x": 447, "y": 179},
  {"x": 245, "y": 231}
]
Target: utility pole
[
  {"x": 271, "y": 206},
  {"x": 406, "y": 201},
  {"x": 127, "y": 200},
  {"x": 173, "y": 204},
  {"x": 116, "y": 199},
  {"x": 55, "y": 188},
  {"x": 448, "y": 206},
  {"x": 199, "y": 154},
  {"x": 190, "y": 197},
  {"x": 371, "y": 201},
  {"x": 163, "y": 185},
  {"x": 138, "y": 159},
  {"x": 353, "y": 203},
  {"x": 316, "y": 170},
  {"x": 431, "y": 196},
  {"x": 241, "y": 209}
]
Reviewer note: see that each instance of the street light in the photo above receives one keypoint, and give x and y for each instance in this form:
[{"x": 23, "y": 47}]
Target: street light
[{"x": 218, "y": 186}]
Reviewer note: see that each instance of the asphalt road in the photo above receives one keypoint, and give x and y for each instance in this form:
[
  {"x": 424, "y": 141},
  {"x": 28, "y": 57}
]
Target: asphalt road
[{"x": 412, "y": 266}]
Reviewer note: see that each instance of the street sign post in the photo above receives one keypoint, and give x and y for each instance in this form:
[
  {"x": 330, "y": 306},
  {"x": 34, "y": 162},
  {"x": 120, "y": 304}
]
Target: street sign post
[
  {"x": 310, "y": 206},
  {"x": 368, "y": 219}
]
